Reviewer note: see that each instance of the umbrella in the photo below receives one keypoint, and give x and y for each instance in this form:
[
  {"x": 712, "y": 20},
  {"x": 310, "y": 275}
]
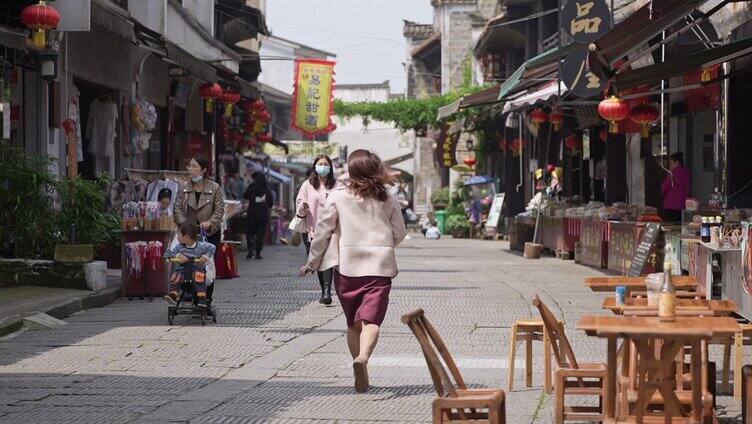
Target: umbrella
[{"x": 478, "y": 179}]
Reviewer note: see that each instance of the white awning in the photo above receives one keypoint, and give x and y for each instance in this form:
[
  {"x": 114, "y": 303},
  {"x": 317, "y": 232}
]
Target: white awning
[
  {"x": 543, "y": 94},
  {"x": 449, "y": 110}
]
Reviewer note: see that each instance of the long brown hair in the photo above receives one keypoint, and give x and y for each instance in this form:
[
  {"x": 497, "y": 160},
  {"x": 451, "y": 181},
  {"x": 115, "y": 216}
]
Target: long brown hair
[
  {"x": 368, "y": 178},
  {"x": 314, "y": 178}
]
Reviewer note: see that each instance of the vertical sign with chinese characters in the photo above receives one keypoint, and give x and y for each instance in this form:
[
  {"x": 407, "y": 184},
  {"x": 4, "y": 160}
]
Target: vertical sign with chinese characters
[{"x": 312, "y": 101}]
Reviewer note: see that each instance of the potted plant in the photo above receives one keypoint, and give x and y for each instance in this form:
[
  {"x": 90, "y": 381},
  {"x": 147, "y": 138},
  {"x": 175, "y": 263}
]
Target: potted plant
[
  {"x": 440, "y": 198},
  {"x": 458, "y": 226}
]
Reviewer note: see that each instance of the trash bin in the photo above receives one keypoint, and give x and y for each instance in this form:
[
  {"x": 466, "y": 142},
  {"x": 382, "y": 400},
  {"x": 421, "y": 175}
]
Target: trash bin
[{"x": 441, "y": 221}]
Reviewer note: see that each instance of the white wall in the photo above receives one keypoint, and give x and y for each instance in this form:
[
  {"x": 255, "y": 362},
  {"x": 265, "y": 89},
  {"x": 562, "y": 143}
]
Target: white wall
[
  {"x": 181, "y": 33},
  {"x": 150, "y": 13},
  {"x": 278, "y": 74},
  {"x": 379, "y": 137},
  {"x": 203, "y": 11}
]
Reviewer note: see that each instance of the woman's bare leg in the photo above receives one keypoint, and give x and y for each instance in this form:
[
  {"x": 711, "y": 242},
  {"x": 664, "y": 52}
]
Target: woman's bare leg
[
  {"x": 369, "y": 335},
  {"x": 353, "y": 339}
]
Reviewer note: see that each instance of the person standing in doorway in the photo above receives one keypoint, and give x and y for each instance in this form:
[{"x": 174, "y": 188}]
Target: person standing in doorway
[
  {"x": 260, "y": 203},
  {"x": 676, "y": 188},
  {"x": 309, "y": 202},
  {"x": 369, "y": 225},
  {"x": 201, "y": 201}
]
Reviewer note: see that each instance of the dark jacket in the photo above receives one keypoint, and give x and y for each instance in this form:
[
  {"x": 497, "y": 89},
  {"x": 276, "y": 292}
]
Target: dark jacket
[{"x": 260, "y": 201}]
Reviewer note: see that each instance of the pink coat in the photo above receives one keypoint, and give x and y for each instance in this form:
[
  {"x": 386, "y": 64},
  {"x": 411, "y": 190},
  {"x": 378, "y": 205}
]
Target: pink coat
[
  {"x": 315, "y": 199},
  {"x": 676, "y": 188}
]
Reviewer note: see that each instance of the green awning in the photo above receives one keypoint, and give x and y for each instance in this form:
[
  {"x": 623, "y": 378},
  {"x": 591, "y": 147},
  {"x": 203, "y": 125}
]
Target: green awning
[{"x": 535, "y": 67}]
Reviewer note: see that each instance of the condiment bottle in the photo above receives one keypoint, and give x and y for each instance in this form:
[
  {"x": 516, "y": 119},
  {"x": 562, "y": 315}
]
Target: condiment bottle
[
  {"x": 705, "y": 230},
  {"x": 667, "y": 300}
]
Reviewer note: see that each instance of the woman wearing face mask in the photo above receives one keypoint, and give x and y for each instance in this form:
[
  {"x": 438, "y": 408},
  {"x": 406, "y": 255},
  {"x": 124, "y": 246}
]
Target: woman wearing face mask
[
  {"x": 310, "y": 201},
  {"x": 201, "y": 201}
]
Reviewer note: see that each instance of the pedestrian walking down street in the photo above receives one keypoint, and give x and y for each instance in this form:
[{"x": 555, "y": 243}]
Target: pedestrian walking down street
[
  {"x": 201, "y": 202},
  {"x": 260, "y": 203},
  {"x": 363, "y": 224},
  {"x": 309, "y": 203}
]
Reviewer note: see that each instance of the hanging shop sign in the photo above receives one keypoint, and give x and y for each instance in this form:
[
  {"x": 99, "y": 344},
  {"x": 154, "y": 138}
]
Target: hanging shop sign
[
  {"x": 313, "y": 98},
  {"x": 446, "y": 146},
  {"x": 576, "y": 74},
  {"x": 585, "y": 20}
]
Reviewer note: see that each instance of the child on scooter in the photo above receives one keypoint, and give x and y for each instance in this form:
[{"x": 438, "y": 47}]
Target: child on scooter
[{"x": 189, "y": 251}]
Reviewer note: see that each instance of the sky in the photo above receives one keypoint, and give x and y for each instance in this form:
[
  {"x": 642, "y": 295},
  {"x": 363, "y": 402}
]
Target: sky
[{"x": 366, "y": 35}]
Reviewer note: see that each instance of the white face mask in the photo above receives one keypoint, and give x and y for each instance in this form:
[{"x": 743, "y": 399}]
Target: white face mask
[{"x": 197, "y": 179}]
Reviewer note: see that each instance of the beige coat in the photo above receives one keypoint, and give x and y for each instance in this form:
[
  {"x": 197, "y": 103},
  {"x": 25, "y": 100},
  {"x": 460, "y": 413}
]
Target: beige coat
[
  {"x": 357, "y": 235},
  {"x": 210, "y": 206}
]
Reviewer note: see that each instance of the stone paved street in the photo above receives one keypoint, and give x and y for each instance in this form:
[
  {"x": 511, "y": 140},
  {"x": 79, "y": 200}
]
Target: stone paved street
[{"x": 278, "y": 356}]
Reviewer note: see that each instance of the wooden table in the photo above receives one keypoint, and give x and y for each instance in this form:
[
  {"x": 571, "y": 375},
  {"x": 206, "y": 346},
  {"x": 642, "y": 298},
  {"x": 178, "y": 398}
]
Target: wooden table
[
  {"x": 721, "y": 308},
  {"x": 641, "y": 330},
  {"x": 600, "y": 284}
]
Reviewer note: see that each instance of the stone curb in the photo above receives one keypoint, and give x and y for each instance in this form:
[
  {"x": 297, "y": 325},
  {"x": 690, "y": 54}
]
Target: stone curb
[{"x": 64, "y": 309}]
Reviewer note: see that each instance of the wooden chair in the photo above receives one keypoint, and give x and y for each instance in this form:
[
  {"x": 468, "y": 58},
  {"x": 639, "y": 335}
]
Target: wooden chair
[
  {"x": 572, "y": 378},
  {"x": 455, "y": 402}
]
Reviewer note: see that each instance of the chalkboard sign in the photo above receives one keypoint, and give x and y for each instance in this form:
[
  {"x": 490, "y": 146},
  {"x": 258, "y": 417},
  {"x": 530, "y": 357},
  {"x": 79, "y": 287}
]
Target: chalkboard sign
[{"x": 647, "y": 241}]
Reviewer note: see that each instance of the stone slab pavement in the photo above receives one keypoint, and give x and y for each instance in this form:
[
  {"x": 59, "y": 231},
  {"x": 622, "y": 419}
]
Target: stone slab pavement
[{"x": 276, "y": 355}]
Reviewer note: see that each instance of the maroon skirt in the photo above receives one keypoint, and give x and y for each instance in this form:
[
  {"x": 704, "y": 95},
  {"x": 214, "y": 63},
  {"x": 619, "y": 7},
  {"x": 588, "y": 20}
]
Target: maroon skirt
[{"x": 363, "y": 298}]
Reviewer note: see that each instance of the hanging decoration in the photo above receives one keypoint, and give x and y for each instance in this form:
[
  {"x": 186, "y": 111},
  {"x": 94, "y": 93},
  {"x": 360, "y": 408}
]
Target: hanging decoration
[
  {"x": 229, "y": 98},
  {"x": 516, "y": 146},
  {"x": 550, "y": 167},
  {"x": 573, "y": 142},
  {"x": 470, "y": 161},
  {"x": 313, "y": 97},
  {"x": 537, "y": 117},
  {"x": 556, "y": 119},
  {"x": 613, "y": 110},
  {"x": 644, "y": 115},
  {"x": 210, "y": 93},
  {"x": 40, "y": 18}
]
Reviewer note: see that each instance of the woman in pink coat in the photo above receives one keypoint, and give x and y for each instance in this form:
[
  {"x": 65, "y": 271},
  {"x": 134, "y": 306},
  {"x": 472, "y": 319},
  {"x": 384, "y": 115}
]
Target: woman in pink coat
[
  {"x": 309, "y": 203},
  {"x": 676, "y": 188},
  {"x": 366, "y": 223}
]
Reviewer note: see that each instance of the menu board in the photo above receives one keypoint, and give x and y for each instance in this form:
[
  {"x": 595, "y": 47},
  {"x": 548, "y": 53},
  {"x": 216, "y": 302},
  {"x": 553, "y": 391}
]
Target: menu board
[
  {"x": 495, "y": 212},
  {"x": 649, "y": 237}
]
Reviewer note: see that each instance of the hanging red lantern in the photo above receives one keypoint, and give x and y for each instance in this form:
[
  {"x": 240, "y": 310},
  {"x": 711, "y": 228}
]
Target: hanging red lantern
[
  {"x": 229, "y": 98},
  {"x": 40, "y": 18},
  {"x": 644, "y": 115},
  {"x": 516, "y": 146},
  {"x": 264, "y": 138},
  {"x": 556, "y": 118},
  {"x": 258, "y": 104},
  {"x": 210, "y": 93},
  {"x": 613, "y": 110},
  {"x": 573, "y": 142},
  {"x": 603, "y": 135},
  {"x": 265, "y": 116},
  {"x": 537, "y": 117},
  {"x": 470, "y": 161}
]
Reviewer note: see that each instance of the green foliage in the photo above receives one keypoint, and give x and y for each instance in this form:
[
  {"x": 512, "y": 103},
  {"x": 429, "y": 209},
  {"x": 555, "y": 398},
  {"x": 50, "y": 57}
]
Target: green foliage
[
  {"x": 83, "y": 205},
  {"x": 455, "y": 208},
  {"x": 440, "y": 198},
  {"x": 27, "y": 189},
  {"x": 405, "y": 114},
  {"x": 38, "y": 208},
  {"x": 467, "y": 69},
  {"x": 458, "y": 226}
]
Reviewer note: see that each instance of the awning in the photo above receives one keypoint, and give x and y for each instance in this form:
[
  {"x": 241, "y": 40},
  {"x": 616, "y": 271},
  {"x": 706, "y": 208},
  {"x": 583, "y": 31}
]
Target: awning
[
  {"x": 484, "y": 97},
  {"x": 113, "y": 19},
  {"x": 449, "y": 110},
  {"x": 543, "y": 94},
  {"x": 637, "y": 29},
  {"x": 14, "y": 40},
  {"x": 281, "y": 178},
  {"x": 534, "y": 72},
  {"x": 478, "y": 179},
  {"x": 248, "y": 89},
  {"x": 398, "y": 159},
  {"x": 681, "y": 65},
  {"x": 196, "y": 67}
]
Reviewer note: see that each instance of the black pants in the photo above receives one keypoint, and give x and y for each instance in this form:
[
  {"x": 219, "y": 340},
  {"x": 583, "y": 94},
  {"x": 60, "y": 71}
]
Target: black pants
[
  {"x": 216, "y": 240},
  {"x": 255, "y": 232},
  {"x": 307, "y": 243}
]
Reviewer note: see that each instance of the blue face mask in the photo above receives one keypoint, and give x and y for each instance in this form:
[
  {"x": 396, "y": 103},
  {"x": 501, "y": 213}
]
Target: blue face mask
[
  {"x": 322, "y": 170},
  {"x": 197, "y": 179}
]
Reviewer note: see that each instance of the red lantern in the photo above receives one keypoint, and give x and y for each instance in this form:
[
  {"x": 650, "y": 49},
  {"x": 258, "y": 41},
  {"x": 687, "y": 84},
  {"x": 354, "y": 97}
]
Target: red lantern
[
  {"x": 229, "y": 98},
  {"x": 644, "y": 115},
  {"x": 573, "y": 142},
  {"x": 556, "y": 118},
  {"x": 516, "y": 146},
  {"x": 603, "y": 135},
  {"x": 537, "y": 117},
  {"x": 210, "y": 93},
  {"x": 470, "y": 161},
  {"x": 613, "y": 110},
  {"x": 264, "y": 138},
  {"x": 40, "y": 18},
  {"x": 258, "y": 104},
  {"x": 265, "y": 116}
]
